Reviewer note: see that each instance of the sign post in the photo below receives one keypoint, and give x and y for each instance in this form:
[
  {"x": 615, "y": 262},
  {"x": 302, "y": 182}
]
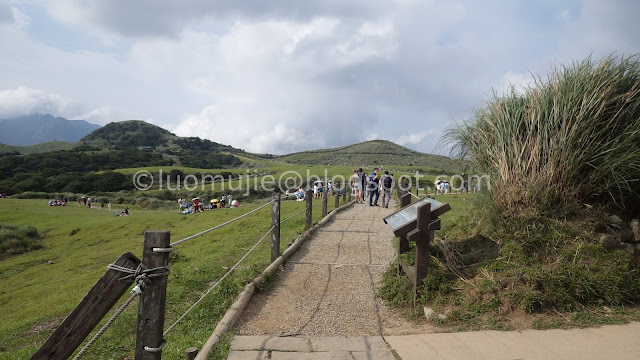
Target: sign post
[{"x": 416, "y": 223}]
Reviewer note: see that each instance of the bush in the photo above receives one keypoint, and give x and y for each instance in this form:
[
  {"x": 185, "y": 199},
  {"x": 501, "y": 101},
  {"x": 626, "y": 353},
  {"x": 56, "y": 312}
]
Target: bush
[
  {"x": 570, "y": 139},
  {"x": 34, "y": 195},
  {"x": 18, "y": 240}
]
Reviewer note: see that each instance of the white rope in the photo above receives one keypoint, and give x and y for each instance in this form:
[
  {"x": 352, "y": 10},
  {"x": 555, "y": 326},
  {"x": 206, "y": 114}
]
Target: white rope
[
  {"x": 155, "y": 349},
  {"x": 414, "y": 195},
  {"x": 296, "y": 214},
  {"x": 105, "y": 326},
  {"x": 216, "y": 284},
  {"x": 219, "y": 226}
]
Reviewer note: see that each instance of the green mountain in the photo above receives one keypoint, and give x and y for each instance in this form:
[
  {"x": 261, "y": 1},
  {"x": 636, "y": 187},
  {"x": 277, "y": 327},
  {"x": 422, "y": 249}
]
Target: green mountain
[
  {"x": 72, "y": 167},
  {"x": 141, "y": 134},
  {"x": 369, "y": 153},
  {"x": 129, "y": 133}
]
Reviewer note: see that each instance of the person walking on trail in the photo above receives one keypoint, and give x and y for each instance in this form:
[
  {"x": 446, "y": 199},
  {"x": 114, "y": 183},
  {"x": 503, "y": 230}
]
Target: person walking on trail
[
  {"x": 374, "y": 189},
  {"x": 385, "y": 188},
  {"x": 356, "y": 183}
]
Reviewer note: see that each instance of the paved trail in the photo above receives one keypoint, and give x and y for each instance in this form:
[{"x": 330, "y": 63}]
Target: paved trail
[
  {"x": 328, "y": 287},
  {"x": 324, "y": 306}
]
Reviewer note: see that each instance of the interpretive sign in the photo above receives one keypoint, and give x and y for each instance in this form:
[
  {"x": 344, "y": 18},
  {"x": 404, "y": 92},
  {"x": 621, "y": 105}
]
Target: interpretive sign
[
  {"x": 416, "y": 223},
  {"x": 404, "y": 220}
]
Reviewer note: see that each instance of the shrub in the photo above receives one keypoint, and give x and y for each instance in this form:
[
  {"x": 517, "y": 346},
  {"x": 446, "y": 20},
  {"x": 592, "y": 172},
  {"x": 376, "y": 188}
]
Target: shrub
[
  {"x": 566, "y": 140},
  {"x": 17, "y": 240}
]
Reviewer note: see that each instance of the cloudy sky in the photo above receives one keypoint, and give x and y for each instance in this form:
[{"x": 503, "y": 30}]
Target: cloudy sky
[{"x": 290, "y": 75}]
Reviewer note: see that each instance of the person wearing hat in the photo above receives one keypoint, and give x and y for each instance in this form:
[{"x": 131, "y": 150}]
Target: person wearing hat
[{"x": 386, "y": 185}]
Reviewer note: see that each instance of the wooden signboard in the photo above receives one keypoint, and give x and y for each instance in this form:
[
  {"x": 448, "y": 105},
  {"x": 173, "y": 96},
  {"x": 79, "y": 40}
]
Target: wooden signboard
[
  {"x": 416, "y": 223},
  {"x": 404, "y": 220}
]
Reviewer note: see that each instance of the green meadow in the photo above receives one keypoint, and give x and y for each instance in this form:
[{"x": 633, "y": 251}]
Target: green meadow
[{"x": 41, "y": 287}]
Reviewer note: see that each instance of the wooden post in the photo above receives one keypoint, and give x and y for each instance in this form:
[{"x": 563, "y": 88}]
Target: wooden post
[
  {"x": 349, "y": 195},
  {"x": 344, "y": 194},
  {"x": 153, "y": 297},
  {"x": 190, "y": 353},
  {"x": 422, "y": 248},
  {"x": 403, "y": 242},
  {"x": 93, "y": 307},
  {"x": 325, "y": 195},
  {"x": 337, "y": 201},
  {"x": 275, "y": 223},
  {"x": 309, "y": 199}
]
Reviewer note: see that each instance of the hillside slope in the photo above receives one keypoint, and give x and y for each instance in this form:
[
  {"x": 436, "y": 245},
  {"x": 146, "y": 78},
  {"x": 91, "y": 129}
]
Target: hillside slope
[
  {"x": 38, "y": 128},
  {"x": 374, "y": 152}
]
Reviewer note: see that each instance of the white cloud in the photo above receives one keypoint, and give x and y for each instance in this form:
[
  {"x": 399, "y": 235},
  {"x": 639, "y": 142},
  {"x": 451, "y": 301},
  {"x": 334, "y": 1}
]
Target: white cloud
[
  {"x": 291, "y": 75},
  {"x": 24, "y": 100}
]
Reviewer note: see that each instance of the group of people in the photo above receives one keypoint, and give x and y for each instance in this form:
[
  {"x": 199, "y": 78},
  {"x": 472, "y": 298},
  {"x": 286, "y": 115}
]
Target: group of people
[
  {"x": 90, "y": 203},
  {"x": 372, "y": 186},
  {"x": 197, "y": 205},
  {"x": 299, "y": 194},
  {"x": 58, "y": 202},
  {"x": 318, "y": 189}
]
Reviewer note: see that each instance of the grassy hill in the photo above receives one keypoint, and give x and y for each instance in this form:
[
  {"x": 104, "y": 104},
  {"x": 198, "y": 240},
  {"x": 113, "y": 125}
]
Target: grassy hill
[
  {"x": 374, "y": 152},
  {"x": 129, "y": 133}
]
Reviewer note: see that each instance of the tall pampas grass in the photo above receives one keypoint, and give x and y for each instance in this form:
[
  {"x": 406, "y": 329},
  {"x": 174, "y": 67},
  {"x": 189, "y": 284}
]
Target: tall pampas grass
[{"x": 569, "y": 139}]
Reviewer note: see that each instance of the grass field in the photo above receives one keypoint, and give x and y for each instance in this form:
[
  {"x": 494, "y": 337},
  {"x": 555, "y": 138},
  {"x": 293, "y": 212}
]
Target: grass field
[{"x": 41, "y": 287}]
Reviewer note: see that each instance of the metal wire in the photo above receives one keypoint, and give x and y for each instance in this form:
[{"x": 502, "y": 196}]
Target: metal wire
[{"x": 219, "y": 226}]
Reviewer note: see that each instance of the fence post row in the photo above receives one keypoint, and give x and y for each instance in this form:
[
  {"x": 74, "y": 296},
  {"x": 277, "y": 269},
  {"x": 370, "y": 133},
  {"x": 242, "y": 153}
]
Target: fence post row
[
  {"x": 149, "y": 341},
  {"x": 275, "y": 224},
  {"x": 308, "y": 198}
]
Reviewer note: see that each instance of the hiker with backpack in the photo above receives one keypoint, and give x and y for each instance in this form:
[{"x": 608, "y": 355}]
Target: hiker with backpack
[
  {"x": 385, "y": 188},
  {"x": 374, "y": 189}
]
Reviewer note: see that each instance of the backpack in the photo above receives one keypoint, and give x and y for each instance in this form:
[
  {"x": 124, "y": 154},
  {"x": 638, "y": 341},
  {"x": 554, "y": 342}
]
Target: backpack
[
  {"x": 373, "y": 184},
  {"x": 387, "y": 182}
]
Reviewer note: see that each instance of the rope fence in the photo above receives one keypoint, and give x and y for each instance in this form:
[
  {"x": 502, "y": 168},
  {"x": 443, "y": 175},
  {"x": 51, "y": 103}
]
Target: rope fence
[
  {"x": 414, "y": 195},
  {"x": 219, "y": 226},
  {"x": 151, "y": 281},
  {"x": 106, "y": 325},
  {"x": 170, "y": 328},
  {"x": 294, "y": 215}
]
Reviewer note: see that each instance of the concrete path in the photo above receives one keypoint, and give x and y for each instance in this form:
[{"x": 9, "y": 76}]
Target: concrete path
[
  {"x": 619, "y": 342},
  {"x": 323, "y": 307},
  {"x": 305, "y": 348},
  {"x": 328, "y": 287}
]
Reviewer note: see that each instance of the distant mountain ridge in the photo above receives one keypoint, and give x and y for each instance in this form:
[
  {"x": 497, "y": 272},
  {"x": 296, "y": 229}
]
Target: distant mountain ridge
[
  {"x": 203, "y": 153},
  {"x": 39, "y": 128},
  {"x": 368, "y": 153}
]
